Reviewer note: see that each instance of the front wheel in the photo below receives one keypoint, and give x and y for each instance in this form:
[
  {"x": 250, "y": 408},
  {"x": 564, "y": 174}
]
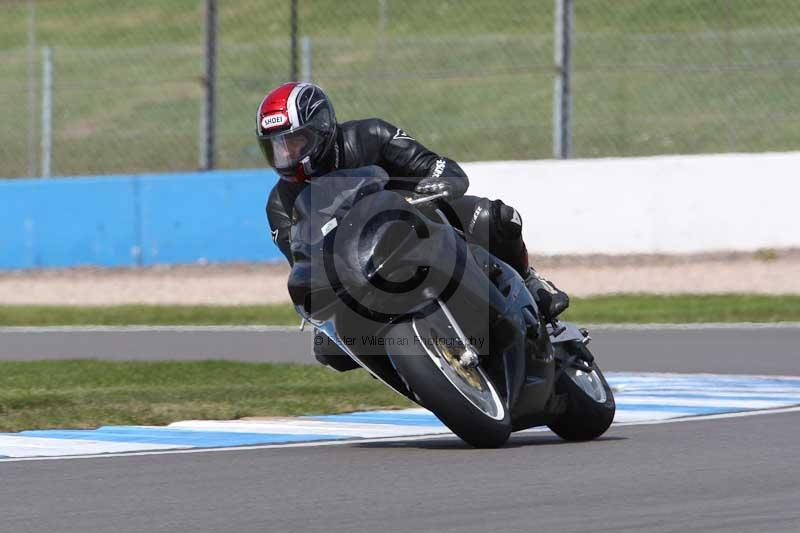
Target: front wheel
[
  {"x": 465, "y": 399},
  {"x": 590, "y": 401}
]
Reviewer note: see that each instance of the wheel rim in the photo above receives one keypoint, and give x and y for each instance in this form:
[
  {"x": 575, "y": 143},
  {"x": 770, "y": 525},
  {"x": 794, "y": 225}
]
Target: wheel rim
[
  {"x": 590, "y": 383},
  {"x": 472, "y": 383}
]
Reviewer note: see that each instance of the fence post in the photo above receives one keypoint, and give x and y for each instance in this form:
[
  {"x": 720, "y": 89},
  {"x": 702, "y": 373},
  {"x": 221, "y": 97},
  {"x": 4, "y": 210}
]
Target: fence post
[
  {"x": 207, "y": 128},
  {"x": 47, "y": 110},
  {"x": 293, "y": 30},
  {"x": 383, "y": 18},
  {"x": 305, "y": 71},
  {"x": 562, "y": 104},
  {"x": 31, "y": 88}
]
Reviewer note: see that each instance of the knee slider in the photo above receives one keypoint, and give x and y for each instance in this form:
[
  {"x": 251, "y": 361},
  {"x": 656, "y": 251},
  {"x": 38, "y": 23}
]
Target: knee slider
[{"x": 329, "y": 354}]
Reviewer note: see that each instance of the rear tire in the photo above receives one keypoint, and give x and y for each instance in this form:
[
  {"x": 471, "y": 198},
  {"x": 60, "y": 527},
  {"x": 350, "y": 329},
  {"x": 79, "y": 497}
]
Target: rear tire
[
  {"x": 585, "y": 418},
  {"x": 437, "y": 394}
]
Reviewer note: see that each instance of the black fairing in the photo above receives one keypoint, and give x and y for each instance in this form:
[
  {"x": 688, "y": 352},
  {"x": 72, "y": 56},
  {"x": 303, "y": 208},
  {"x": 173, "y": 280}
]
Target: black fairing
[
  {"x": 378, "y": 246},
  {"x": 324, "y": 200},
  {"x": 364, "y": 258}
]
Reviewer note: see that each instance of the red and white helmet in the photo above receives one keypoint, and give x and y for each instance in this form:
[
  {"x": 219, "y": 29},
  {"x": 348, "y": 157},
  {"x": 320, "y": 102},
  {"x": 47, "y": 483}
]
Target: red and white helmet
[{"x": 296, "y": 129}]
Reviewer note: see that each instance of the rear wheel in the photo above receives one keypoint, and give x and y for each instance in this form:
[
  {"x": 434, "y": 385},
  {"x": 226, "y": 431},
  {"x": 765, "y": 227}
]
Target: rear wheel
[
  {"x": 465, "y": 399},
  {"x": 590, "y": 402}
]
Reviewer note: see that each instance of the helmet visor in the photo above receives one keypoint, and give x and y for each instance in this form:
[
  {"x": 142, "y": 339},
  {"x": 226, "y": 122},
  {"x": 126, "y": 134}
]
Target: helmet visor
[{"x": 286, "y": 149}]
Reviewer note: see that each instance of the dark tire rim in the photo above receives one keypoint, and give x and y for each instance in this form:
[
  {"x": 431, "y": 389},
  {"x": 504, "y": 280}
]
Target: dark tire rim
[
  {"x": 589, "y": 382},
  {"x": 472, "y": 383}
]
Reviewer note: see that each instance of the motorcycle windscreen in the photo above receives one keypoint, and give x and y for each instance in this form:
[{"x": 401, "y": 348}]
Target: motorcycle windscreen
[{"x": 315, "y": 219}]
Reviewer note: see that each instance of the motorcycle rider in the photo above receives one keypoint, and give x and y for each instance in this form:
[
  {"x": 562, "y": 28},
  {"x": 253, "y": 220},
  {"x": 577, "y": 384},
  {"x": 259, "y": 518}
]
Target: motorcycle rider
[{"x": 298, "y": 133}]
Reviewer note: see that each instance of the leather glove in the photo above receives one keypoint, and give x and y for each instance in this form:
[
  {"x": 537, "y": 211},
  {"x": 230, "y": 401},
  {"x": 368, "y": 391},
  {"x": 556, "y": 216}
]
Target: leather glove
[{"x": 428, "y": 186}]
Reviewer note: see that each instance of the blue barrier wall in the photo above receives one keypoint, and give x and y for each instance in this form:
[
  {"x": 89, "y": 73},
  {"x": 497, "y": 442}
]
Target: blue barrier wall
[{"x": 136, "y": 220}]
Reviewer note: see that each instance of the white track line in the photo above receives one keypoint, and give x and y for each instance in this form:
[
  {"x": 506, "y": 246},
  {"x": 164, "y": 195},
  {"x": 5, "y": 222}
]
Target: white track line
[
  {"x": 745, "y": 326},
  {"x": 150, "y": 329},
  {"x": 701, "y": 418},
  {"x": 704, "y": 326}
]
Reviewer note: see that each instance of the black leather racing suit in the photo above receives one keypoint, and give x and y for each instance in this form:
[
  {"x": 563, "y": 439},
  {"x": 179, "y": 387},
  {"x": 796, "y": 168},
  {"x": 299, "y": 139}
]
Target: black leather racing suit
[
  {"x": 488, "y": 223},
  {"x": 360, "y": 143}
]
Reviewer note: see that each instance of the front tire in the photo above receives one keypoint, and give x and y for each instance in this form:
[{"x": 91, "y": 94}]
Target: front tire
[
  {"x": 416, "y": 363},
  {"x": 590, "y": 401}
]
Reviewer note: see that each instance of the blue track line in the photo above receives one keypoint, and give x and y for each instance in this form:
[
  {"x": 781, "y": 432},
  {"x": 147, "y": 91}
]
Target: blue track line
[{"x": 176, "y": 437}]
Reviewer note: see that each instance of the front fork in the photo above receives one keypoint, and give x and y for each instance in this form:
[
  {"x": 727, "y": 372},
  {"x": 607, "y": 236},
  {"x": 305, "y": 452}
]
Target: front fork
[{"x": 562, "y": 333}]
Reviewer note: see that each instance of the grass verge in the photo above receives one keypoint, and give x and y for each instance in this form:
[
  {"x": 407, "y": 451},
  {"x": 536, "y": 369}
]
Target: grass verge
[
  {"x": 635, "y": 308},
  {"x": 161, "y": 315},
  {"x": 88, "y": 394},
  {"x": 684, "y": 308}
]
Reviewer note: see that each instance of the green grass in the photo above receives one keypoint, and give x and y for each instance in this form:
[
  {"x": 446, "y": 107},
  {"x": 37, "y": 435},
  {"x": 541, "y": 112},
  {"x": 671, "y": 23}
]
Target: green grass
[
  {"x": 471, "y": 79},
  {"x": 88, "y": 394},
  {"x": 684, "y": 308},
  {"x": 84, "y": 394},
  {"x": 23, "y": 315},
  {"x": 622, "y": 308}
]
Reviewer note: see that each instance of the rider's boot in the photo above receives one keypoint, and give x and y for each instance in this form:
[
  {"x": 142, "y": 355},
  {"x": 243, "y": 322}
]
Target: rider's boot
[{"x": 551, "y": 300}]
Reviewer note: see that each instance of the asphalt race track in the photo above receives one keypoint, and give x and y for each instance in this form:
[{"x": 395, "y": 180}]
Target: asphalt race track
[
  {"x": 722, "y": 348},
  {"x": 727, "y": 473}
]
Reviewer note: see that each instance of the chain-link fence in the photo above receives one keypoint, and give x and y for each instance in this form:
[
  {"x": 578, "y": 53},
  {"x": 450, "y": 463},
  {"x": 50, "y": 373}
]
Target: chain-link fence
[
  {"x": 686, "y": 76},
  {"x": 473, "y": 79}
]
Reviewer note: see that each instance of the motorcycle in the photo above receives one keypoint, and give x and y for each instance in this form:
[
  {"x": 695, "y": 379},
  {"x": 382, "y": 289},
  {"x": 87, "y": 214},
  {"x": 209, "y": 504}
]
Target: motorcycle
[{"x": 391, "y": 279}]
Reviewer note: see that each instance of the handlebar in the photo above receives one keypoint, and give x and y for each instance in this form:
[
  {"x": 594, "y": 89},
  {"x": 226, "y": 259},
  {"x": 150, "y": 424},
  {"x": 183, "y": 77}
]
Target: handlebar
[{"x": 426, "y": 199}]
